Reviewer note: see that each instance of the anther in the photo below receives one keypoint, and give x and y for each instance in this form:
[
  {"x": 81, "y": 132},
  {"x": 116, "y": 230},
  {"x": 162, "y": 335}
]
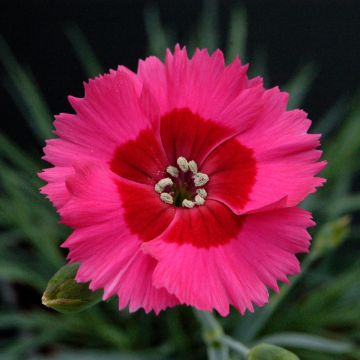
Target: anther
[
  {"x": 202, "y": 193},
  {"x": 183, "y": 164},
  {"x": 166, "y": 198},
  {"x": 188, "y": 203},
  {"x": 162, "y": 184},
  {"x": 193, "y": 166},
  {"x": 200, "y": 179},
  {"x": 199, "y": 200},
  {"x": 173, "y": 171}
]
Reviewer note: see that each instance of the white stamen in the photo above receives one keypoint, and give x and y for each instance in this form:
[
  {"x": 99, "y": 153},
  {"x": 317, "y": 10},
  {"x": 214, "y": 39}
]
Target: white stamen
[
  {"x": 173, "y": 171},
  {"x": 166, "y": 198},
  {"x": 200, "y": 179},
  {"x": 188, "y": 203},
  {"x": 183, "y": 164},
  {"x": 199, "y": 200},
  {"x": 202, "y": 193},
  {"x": 193, "y": 166},
  {"x": 162, "y": 184}
]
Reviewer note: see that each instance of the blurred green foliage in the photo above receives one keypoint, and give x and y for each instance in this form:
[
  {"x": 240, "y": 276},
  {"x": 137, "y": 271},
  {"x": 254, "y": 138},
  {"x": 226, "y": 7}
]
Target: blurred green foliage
[{"x": 319, "y": 318}]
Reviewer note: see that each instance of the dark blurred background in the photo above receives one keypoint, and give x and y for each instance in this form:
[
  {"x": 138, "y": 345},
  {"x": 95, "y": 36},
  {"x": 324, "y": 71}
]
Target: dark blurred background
[{"x": 291, "y": 33}]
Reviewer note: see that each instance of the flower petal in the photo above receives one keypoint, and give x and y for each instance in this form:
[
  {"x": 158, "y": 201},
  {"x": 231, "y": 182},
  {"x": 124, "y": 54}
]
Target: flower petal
[
  {"x": 145, "y": 214},
  {"x": 287, "y": 165},
  {"x": 237, "y": 272},
  {"x": 184, "y": 133},
  {"x": 205, "y": 226},
  {"x": 141, "y": 160},
  {"x": 109, "y": 115},
  {"x": 283, "y": 153},
  {"x": 232, "y": 171},
  {"x": 56, "y": 190},
  {"x": 102, "y": 242},
  {"x": 203, "y": 84}
]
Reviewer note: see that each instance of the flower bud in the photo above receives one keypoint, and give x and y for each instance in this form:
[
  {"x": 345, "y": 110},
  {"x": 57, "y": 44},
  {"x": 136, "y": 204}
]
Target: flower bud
[
  {"x": 270, "y": 352},
  {"x": 65, "y": 295}
]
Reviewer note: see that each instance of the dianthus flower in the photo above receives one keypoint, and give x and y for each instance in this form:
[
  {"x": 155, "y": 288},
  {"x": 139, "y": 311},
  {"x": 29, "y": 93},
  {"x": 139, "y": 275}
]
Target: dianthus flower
[{"x": 181, "y": 184}]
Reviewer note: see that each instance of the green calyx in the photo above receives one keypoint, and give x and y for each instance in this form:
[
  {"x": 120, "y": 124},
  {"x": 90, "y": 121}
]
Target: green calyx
[{"x": 65, "y": 295}]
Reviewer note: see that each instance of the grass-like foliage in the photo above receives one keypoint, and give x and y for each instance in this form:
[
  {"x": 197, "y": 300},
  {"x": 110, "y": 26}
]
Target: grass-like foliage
[{"x": 317, "y": 317}]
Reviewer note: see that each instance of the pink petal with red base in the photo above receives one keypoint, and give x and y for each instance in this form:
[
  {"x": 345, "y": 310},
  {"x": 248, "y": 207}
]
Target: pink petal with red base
[
  {"x": 283, "y": 154},
  {"x": 56, "y": 190},
  {"x": 203, "y": 84},
  {"x": 141, "y": 160},
  {"x": 107, "y": 250},
  {"x": 128, "y": 129},
  {"x": 232, "y": 170},
  {"x": 184, "y": 133},
  {"x": 234, "y": 273},
  {"x": 109, "y": 115}
]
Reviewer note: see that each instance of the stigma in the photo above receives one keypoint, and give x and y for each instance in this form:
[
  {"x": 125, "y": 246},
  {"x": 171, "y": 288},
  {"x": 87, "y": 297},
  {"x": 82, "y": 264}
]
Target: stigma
[{"x": 183, "y": 187}]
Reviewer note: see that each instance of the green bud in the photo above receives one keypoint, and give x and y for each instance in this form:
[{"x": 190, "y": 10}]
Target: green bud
[
  {"x": 65, "y": 295},
  {"x": 331, "y": 235},
  {"x": 270, "y": 352}
]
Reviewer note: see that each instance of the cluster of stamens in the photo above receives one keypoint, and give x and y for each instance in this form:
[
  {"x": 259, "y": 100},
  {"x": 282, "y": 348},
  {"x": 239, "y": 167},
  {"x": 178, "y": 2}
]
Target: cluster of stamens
[{"x": 184, "y": 185}]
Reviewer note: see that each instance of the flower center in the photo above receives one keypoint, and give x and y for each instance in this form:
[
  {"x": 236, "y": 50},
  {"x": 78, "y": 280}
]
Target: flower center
[{"x": 184, "y": 185}]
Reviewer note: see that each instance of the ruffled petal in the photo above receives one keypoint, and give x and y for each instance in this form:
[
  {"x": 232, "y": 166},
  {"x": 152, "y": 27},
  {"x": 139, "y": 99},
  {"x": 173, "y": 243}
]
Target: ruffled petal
[
  {"x": 102, "y": 242},
  {"x": 290, "y": 176},
  {"x": 237, "y": 272},
  {"x": 286, "y": 165},
  {"x": 283, "y": 155},
  {"x": 109, "y": 115},
  {"x": 55, "y": 190},
  {"x": 203, "y": 84},
  {"x": 274, "y": 125}
]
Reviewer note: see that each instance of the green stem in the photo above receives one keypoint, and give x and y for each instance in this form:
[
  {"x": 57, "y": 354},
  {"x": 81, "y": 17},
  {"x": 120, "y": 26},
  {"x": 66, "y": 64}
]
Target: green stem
[
  {"x": 217, "y": 342},
  {"x": 234, "y": 345}
]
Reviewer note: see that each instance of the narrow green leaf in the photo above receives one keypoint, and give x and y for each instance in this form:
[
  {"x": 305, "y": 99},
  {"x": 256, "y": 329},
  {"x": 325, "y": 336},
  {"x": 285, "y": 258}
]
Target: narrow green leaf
[
  {"x": 299, "y": 85},
  {"x": 207, "y": 34},
  {"x": 13, "y": 153},
  {"x": 20, "y": 212},
  {"x": 157, "y": 37},
  {"x": 342, "y": 151},
  {"x": 333, "y": 117},
  {"x": 330, "y": 304},
  {"x": 83, "y": 50},
  {"x": 25, "y": 344},
  {"x": 236, "y": 44},
  {"x": 27, "y": 320},
  {"x": 26, "y": 94},
  {"x": 331, "y": 235},
  {"x": 17, "y": 272},
  {"x": 234, "y": 345},
  {"x": 347, "y": 204},
  {"x": 96, "y": 355},
  {"x": 310, "y": 342},
  {"x": 258, "y": 66},
  {"x": 255, "y": 322}
]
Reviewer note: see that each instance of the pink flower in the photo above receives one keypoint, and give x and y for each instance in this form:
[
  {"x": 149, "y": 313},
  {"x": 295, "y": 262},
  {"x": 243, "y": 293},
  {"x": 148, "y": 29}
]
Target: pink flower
[{"x": 181, "y": 184}]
